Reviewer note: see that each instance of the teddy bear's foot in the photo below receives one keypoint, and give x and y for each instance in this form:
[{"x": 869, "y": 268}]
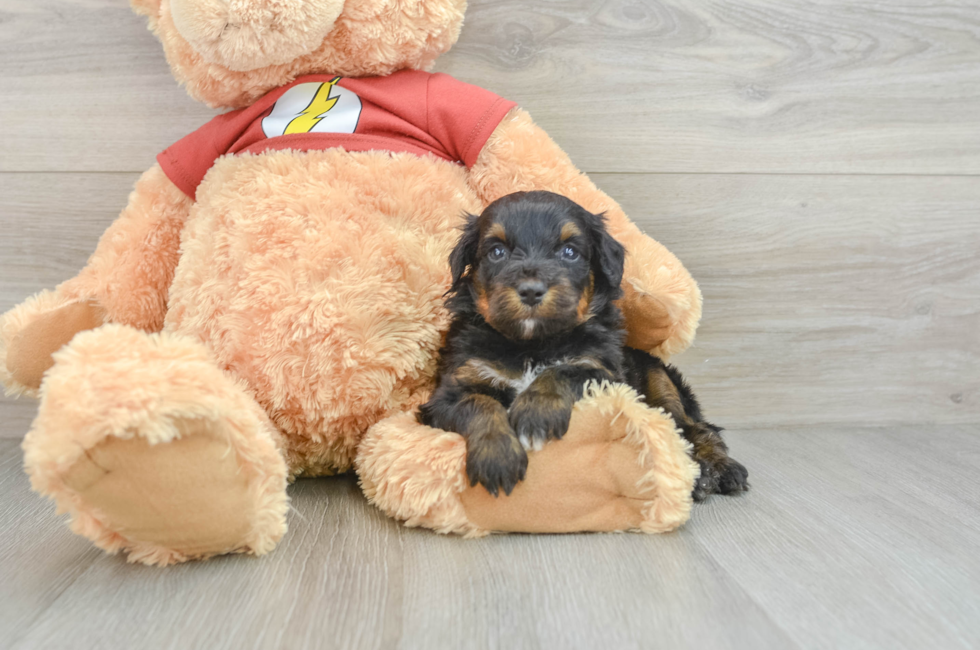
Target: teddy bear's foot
[
  {"x": 153, "y": 450},
  {"x": 620, "y": 466},
  {"x": 37, "y": 328}
]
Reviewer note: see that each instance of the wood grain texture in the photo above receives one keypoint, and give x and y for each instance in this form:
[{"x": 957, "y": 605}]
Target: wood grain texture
[
  {"x": 86, "y": 87},
  {"x": 39, "y": 557},
  {"x": 877, "y": 529},
  {"x": 849, "y": 538},
  {"x": 769, "y": 86},
  {"x": 765, "y": 86},
  {"x": 577, "y": 591},
  {"x": 847, "y": 299},
  {"x": 827, "y": 298},
  {"x": 16, "y": 416},
  {"x": 51, "y": 224}
]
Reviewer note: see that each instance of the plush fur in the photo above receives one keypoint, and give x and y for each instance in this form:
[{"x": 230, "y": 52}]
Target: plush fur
[
  {"x": 327, "y": 345},
  {"x": 308, "y": 283}
]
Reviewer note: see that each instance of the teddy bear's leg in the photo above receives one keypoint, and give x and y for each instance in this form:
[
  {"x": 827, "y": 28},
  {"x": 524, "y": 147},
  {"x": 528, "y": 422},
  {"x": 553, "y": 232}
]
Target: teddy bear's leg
[
  {"x": 621, "y": 466},
  {"x": 662, "y": 302},
  {"x": 125, "y": 281},
  {"x": 154, "y": 450}
]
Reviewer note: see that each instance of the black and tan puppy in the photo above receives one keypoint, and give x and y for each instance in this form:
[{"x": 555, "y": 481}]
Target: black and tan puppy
[{"x": 535, "y": 278}]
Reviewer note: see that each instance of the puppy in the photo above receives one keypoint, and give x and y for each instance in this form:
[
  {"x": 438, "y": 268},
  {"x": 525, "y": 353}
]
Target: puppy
[{"x": 534, "y": 280}]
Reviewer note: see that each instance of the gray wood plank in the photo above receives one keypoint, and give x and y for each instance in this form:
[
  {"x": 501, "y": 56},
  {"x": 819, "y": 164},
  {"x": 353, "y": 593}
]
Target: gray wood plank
[
  {"x": 39, "y": 557},
  {"x": 51, "y": 224},
  {"x": 850, "y": 537},
  {"x": 827, "y": 298},
  {"x": 16, "y": 416},
  {"x": 856, "y": 538},
  {"x": 576, "y": 591},
  {"x": 89, "y": 83},
  {"x": 624, "y": 85},
  {"x": 750, "y": 86}
]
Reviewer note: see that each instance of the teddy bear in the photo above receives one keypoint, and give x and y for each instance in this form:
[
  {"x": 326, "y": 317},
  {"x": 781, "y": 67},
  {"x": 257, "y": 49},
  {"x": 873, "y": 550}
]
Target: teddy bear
[{"x": 269, "y": 303}]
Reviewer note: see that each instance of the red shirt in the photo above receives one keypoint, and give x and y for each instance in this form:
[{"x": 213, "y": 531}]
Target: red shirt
[{"x": 411, "y": 111}]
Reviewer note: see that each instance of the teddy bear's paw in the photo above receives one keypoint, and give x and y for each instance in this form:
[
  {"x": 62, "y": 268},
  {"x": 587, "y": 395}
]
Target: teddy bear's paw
[
  {"x": 34, "y": 330},
  {"x": 153, "y": 450},
  {"x": 164, "y": 503},
  {"x": 620, "y": 466},
  {"x": 648, "y": 321}
]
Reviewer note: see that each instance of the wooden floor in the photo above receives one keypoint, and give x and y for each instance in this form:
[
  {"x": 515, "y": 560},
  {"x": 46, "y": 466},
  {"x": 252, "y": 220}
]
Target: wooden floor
[
  {"x": 815, "y": 164},
  {"x": 850, "y": 538}
]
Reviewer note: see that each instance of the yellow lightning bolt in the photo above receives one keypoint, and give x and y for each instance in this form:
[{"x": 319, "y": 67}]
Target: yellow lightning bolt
[{"x": 317, "y": 109}]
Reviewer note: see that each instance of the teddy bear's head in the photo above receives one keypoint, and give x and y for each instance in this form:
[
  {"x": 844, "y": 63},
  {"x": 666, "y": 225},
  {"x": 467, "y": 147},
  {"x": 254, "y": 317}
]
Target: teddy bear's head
[{"x": 230, "y": 52}]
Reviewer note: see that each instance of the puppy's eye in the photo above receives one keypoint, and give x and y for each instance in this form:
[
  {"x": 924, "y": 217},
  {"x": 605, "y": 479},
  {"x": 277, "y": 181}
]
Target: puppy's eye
[
  {"x": 569, "y": 254},
  {"x": 497, "y": 253}
]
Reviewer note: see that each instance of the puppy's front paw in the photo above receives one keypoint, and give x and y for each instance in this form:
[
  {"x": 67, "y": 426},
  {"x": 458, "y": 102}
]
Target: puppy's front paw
[
  {"x": 496, "y": 462},
  {"x": 707, "y": 482},
  {"x": 732, "y": 477},
  {"x": 725, "y": 476},
  {"x": 538, "y": 418}
]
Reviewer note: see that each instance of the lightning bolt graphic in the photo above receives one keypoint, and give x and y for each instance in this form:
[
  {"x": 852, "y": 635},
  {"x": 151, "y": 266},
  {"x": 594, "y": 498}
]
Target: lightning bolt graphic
[{"x": 316, "y": 110}]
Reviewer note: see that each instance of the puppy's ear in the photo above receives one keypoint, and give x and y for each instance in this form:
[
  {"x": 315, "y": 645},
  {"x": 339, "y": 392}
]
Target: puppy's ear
[
  {"x": 608, "y": 255},
  {"x": 464, "y": 254}
]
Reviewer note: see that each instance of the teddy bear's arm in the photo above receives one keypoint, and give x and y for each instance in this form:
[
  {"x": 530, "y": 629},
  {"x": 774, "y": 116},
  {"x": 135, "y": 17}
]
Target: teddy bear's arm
[
  {"x": 662, "y": 302},
  {"x": 126, "y": 280},
  {"x": 133, "y": 265}
]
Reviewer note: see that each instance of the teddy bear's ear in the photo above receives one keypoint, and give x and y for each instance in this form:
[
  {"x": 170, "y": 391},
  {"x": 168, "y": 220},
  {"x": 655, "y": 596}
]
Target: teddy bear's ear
[{"x": 464, "y": 255}]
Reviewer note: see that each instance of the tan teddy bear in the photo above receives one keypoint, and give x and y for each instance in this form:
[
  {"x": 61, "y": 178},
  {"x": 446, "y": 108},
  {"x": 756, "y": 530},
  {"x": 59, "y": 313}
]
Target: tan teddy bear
[{"x": 274, "y": 289}]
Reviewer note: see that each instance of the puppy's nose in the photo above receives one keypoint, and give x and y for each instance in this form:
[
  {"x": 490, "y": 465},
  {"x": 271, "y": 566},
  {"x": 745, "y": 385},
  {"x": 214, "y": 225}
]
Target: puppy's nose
[{"x": 531, "y": 291}]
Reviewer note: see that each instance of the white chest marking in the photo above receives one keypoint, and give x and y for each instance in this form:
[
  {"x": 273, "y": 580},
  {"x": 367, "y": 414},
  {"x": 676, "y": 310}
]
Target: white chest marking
[
  {"x": 519, "y": 384},
  {"x": 528, "y": 326}
]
